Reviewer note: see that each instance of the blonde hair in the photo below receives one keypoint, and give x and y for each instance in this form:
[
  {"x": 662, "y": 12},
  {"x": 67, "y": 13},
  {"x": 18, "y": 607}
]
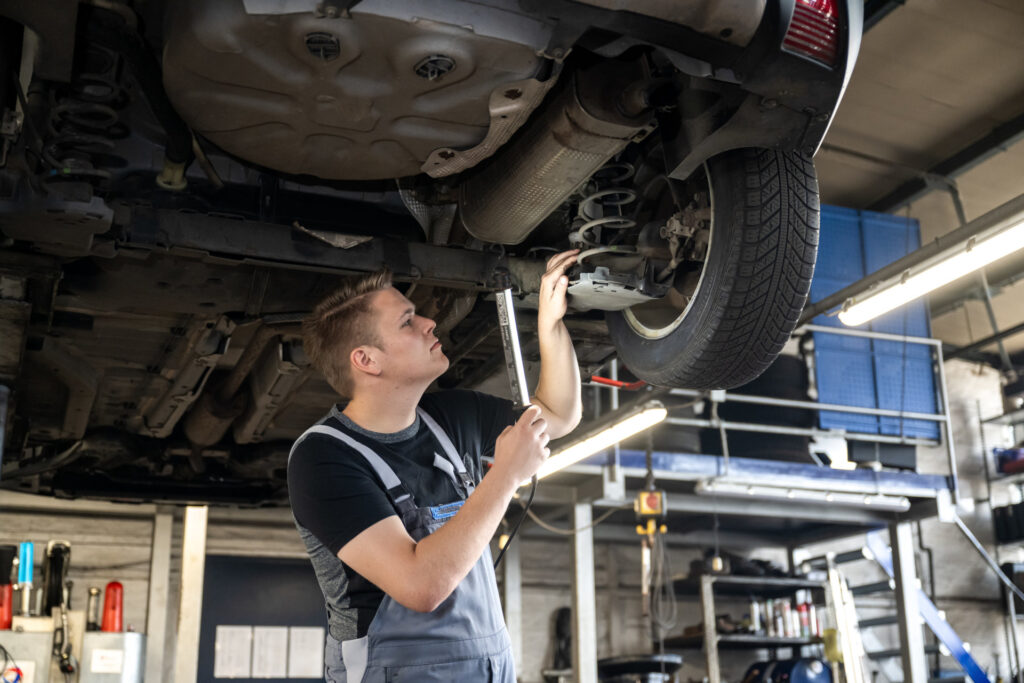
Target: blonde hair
[{"x": 341, "y": 322}]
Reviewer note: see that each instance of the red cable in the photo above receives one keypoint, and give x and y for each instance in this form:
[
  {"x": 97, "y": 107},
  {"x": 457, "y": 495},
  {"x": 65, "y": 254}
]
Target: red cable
[{"x": 628, "y": 386}]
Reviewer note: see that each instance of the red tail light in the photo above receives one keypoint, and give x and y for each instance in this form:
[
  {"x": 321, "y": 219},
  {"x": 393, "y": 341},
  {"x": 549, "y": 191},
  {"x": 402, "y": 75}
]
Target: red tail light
[{"x": 814, "y": 31}]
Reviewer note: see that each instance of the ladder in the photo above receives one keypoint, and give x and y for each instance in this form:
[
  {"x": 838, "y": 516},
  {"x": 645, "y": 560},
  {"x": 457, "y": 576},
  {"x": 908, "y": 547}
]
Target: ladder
[
  {"x": 880, "y": 551},
  {"x": 844, "y": 616}
]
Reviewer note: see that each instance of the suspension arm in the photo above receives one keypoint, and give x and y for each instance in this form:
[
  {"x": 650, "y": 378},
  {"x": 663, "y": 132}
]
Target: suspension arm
[{"x": 278, "y": 246}]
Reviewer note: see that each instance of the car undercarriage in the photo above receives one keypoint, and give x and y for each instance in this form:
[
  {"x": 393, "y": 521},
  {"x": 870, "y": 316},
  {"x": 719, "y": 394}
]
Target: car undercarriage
[{"x": 181, "y": 182}]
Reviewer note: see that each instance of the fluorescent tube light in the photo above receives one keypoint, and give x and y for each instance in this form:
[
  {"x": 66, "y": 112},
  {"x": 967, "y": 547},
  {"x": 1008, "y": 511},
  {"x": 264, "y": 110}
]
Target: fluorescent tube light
[
  {"x": 752, "y": 491},
  {"x": 976, "y": 253},
  {"x": 594, "y": 440}
]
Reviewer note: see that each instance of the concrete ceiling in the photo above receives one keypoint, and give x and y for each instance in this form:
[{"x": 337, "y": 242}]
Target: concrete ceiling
[{"x": 934, "y": 78}]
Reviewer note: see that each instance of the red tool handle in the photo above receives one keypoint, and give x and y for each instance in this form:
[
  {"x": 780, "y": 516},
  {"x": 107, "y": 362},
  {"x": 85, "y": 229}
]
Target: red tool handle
[
  {"x": 113, "y": 607},
  {"x": 6, "y": 606}
]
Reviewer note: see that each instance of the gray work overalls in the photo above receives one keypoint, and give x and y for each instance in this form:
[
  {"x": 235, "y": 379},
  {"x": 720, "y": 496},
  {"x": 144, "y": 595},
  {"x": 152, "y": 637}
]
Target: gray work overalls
[{"x": 464, "y": 639}]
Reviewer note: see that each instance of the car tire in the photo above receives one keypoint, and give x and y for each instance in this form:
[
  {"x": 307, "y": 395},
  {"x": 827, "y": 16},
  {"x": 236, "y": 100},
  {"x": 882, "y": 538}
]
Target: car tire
[{"x": 754, "y": 283}]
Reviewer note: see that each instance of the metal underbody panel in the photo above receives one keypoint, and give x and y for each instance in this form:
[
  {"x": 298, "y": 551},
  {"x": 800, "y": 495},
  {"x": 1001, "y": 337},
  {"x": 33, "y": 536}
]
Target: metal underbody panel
[
  {"x": 606, "y": 290},
  {"x": 733, "y": 21},
  {"x": 369, "y": 95}
]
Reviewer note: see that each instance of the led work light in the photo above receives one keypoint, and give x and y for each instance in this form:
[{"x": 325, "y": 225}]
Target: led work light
[{"x": 607, "y": 432}]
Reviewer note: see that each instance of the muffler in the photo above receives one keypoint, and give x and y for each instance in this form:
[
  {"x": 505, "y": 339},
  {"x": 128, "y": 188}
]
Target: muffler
[{"x": 591, "y": 119}]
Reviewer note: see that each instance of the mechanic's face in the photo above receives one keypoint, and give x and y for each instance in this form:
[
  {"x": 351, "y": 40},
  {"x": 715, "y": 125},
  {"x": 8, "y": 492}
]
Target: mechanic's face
[{"x": 410, "y": 349}]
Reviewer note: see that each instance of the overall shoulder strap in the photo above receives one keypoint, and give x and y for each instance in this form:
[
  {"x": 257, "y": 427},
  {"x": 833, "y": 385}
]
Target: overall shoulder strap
[
  {"x": 395, "y": 489},
  {"x": 449, "y": 450}
]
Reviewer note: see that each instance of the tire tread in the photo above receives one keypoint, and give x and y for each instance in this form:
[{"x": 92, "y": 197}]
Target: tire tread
[{"x": 766, "y": 278}]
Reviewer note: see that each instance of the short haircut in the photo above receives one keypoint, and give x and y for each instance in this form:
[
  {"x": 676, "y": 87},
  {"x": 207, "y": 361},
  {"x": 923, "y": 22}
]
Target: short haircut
[{"x": 340, "y": 323}]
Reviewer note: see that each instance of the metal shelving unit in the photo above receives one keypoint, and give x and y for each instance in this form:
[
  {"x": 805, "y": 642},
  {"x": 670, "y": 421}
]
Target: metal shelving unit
[
  {"x": 738, "y": 641},
  {"x": 1012, "y": 418},
  {"x": 711, "y": 641},
  {"x": 1015, "y": 417}
]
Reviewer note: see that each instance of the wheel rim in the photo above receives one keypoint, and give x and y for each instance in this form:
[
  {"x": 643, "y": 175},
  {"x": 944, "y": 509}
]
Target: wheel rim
[{"x": 659, "y": 318}]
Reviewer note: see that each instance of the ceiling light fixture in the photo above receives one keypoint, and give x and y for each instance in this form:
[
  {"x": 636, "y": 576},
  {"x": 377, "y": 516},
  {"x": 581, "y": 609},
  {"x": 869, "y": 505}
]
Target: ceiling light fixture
[
  {"x": 977, "y": 252},
  {"x": 608, "y": 431}
]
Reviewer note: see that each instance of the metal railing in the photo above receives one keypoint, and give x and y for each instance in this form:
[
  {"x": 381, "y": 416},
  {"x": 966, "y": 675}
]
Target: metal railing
[{"x": 942, "y": 400}]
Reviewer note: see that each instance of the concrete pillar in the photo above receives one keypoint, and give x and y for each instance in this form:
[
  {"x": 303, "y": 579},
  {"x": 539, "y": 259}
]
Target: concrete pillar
[
  {"x": 190, "y": 604},
  {"x": 584, "y": 602},
  {"x": 156, "y": 606},
  {"x": 915, "y": 669},
  {"x": 512, "y": 597}
]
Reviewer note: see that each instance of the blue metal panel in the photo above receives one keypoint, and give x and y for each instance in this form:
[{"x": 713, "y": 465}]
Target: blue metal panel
[
  {"x": 843, "y": 364},
  {"x": 863, "y": 372}
]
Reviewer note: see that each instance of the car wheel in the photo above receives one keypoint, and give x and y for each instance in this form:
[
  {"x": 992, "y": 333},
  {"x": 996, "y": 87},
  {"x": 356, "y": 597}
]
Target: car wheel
[{"x": 725, "y": 320}]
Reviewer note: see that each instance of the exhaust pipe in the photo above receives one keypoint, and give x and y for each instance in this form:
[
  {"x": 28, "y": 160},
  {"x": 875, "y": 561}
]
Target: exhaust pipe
[{"x": 588, "y": 122}]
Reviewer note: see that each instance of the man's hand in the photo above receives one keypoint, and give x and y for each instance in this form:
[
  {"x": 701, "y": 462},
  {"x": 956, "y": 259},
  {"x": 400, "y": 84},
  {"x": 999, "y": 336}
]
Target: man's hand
[
  {"x": 421, "y": 575},
  {"x": 553, "y": 285},
  {"x": 523, "y": 447}
]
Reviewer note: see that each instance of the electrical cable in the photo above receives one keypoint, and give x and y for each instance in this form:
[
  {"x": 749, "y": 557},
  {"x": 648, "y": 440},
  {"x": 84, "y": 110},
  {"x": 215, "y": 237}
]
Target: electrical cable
[
  {"x": 618, "y": 384},
  {"x": 664, "y": 609},
  {"x": 988, "y": 558},
  {"x": 519, "y": 522},
  {"x": 9, "y": 659},
  {"x": 572, "y": 532}
]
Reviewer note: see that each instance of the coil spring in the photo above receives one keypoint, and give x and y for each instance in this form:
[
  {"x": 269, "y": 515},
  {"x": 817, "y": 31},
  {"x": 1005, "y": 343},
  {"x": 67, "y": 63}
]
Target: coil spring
[
  {"x": 84, "y": 124},
  {"x": 608, "y": 194}
]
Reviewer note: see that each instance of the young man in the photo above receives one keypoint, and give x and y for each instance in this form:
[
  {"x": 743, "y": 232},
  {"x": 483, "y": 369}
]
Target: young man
[{"x": 387, "y": 491}]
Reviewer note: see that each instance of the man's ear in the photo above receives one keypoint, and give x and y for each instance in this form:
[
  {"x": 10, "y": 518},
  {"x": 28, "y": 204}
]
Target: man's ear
[{"x": 364, "y": 359}]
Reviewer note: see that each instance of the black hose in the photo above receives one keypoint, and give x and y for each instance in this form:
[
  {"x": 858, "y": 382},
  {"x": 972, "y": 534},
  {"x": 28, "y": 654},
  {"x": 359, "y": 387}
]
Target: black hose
[
  {"x": 512, "y": 534},
  {"x": 988, "y": 558}
]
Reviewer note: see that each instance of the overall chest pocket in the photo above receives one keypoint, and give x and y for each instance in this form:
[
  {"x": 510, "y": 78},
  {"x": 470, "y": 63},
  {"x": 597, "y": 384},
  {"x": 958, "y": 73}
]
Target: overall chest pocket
[{"x": 462, "y": 671}]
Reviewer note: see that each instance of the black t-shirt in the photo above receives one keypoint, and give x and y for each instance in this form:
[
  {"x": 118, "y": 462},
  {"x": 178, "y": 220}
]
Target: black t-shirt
[{"x": 336, "y": 495}]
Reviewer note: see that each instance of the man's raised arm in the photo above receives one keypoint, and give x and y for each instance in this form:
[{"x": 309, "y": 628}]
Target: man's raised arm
[{"x": 558, "y": 390}]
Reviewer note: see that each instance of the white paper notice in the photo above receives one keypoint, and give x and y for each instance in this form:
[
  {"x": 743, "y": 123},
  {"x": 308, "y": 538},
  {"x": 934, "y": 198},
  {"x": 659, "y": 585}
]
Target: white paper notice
[
  {"x": 107, "y": 661},
  {"x": 306, "y": 652},
  {"x": 269, "y": 651},
  {"x": 232, "y": 652}
]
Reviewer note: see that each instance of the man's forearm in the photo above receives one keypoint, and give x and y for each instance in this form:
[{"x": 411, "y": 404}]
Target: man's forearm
[
  {"x": 444, "y": 558},
  {"x": 558, "y": 389}
]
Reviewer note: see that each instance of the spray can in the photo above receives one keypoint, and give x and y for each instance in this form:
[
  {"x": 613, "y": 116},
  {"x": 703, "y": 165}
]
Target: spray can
[
  {"x": 25, "y": 561},
  {"x": 92, "y": 610},
  {"x": 6, "y": 606},
  {"x": 787, "y": 619},
  {"x": 113, "y": 608},
  {"x": 755, "y": 617}
]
